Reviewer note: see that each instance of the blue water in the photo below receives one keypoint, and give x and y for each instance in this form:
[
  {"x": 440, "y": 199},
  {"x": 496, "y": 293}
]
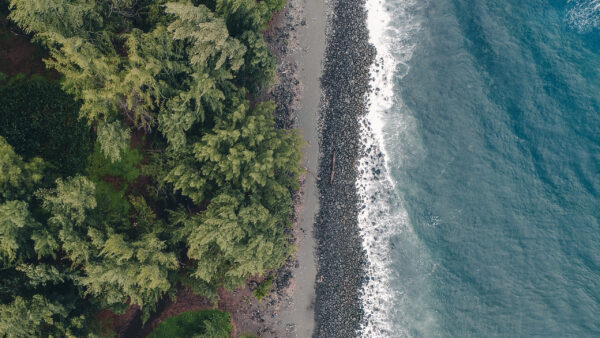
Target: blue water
[{"x": 494, "y": 147}]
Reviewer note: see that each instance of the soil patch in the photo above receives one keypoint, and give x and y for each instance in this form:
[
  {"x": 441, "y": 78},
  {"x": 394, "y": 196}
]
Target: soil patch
[{"x": 18, "y": 54}]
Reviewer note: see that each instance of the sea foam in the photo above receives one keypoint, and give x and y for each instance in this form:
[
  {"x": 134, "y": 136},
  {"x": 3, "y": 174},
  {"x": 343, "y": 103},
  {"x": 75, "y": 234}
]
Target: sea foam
[
  {"x": 380, "y": 218},
  {"x": 584, "y": 15}
]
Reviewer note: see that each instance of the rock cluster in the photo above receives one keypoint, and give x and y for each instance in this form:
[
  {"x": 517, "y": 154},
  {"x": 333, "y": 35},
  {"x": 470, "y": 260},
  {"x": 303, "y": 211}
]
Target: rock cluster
[{"x": 345, "y": 84}]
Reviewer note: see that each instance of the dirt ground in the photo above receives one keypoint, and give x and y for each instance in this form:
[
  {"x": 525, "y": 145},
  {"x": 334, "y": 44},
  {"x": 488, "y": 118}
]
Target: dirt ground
[
  {"x": 247, "y": 314},
  {"x": 18, "y": 54}
]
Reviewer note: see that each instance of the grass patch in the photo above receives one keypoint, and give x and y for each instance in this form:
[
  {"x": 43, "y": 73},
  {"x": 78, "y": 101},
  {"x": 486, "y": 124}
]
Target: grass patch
[{"x": 204, "y": 324}]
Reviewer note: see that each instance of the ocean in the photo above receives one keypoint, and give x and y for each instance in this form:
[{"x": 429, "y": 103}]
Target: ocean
[{"x": 482, "y": 218}]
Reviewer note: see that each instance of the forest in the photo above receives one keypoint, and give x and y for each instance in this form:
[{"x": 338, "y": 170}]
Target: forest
[{"x": 146, "y": 160}]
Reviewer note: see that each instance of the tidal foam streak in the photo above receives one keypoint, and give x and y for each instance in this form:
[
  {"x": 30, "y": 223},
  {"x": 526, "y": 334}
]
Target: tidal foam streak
[{"x": 379, "y": 218}]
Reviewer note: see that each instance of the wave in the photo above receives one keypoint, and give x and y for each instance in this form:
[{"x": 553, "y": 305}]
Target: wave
[
  {"x": 584, "y": 15},
  {"x": 380, "y": 218}
]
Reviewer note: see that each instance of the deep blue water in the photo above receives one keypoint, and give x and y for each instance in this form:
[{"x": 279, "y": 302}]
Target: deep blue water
[{"x": 494, "y": 146}]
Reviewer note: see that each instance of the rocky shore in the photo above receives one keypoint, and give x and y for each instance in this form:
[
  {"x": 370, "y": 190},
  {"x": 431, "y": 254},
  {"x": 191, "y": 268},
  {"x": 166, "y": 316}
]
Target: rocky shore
[{"x": 340, "y": 257}]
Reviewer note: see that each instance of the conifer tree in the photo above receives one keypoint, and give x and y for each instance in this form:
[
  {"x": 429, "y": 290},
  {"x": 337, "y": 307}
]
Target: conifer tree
[
  {"x": 243, "y": 150},
  {"x": 15, "y": 230},
  {"x": 208, "y": 34},
  {"x": 245, "y": 168},
  {"x": 180, "y": 74},
  {"x": 28, "y": 317},
  {"x": 66, "y": 17},
  {"x": 18, "y": 178}
]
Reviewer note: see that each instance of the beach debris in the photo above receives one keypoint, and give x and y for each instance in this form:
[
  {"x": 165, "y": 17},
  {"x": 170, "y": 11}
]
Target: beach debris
[{"x": 332, "y": 168}]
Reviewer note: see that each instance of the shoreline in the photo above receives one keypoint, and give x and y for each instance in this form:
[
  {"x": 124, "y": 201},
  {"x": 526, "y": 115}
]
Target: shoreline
[
  {"x": 299, "y": 47},
  {"x": 340, "y": 254},
  {"x": 300, "y": 317}
]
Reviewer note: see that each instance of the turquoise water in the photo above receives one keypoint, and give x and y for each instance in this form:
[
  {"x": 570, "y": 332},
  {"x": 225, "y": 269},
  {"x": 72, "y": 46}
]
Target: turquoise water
[{"x": 493, "y": 145}]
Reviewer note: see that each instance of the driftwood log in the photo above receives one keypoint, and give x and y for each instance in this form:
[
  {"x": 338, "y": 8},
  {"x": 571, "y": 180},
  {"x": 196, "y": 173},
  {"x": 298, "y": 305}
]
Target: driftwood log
[{"x": 332, "y": 168}]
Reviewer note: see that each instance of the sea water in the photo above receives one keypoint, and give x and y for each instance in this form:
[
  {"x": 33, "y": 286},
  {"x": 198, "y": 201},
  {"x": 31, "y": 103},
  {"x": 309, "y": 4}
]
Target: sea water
[{"x": 482, "y": 217}]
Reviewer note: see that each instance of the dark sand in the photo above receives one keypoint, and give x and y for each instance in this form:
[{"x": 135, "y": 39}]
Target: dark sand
[{"x": 297, "y": 318}]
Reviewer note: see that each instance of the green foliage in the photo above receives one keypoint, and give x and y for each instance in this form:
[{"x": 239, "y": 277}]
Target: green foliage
[
  {"x": 32, "y": 112},
  {"x": 37, "y": 295},
  {"x": 243, "y": 15},
  {"x": 69, "y": 205},
  {"x": 113, "y": 139},
  {"x": 263, "y": 288},
  {"x": 243, "y": 151},
  {"x": 28, "y": 317},
  {"x": 17, "y": 177},
  {"x": 126, "y": 168},
  {"x": 200, "y": 287},
  {"x": 138, "y": 270},
  {"x": 112, "y": 179},
  {"x": 258, "y": 70},
  {"x": 70, "y": 201},
  {"x": 64, "y": 17},
  {"x": 15, "y": 228},
  {"x": 233, "y": 240},
  {"x": 43, "y": 274},
  {"x": 208, "y": 34},
  {"x": 209, "y": 186},
  {"x": 201, "y": 324},
  {"x": 118, "y": 267}
]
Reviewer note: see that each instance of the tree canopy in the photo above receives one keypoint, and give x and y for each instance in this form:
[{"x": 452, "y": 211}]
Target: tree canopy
[{"x": 187, "y": 180}]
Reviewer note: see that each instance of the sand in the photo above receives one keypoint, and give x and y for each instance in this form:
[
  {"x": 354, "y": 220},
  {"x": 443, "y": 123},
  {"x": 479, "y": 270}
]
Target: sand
[{"x": 298, "y": 318}]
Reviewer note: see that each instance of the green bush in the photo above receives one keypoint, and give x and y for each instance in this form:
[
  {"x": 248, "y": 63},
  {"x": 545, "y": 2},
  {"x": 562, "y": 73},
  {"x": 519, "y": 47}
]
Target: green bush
[
  {"x": 112, "y": 179},
  {"x": 204, "y": 324},
  {"x": 124, "y": 170},
  {"x": 263, "y": 288}
]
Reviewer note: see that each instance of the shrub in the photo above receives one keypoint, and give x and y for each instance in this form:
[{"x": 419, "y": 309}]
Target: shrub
[
  {"x": 263, "y": 288},
  {"x": 207, "y": 323}
]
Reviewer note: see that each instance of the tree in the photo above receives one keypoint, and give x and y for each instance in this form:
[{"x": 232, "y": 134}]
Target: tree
[
  {"x": 242, "y": 150},
  {"x": 117, "y": 267},
  {"x": 37, "y": 294},
  {"x": 138, "y": 271},
  {"x": 113, "y": 139},
  {"x": 234, "y": 239},
  {"x": 16, "y": 225},
  {"x": 68, "y": 18},
  {"x": 258, "y": 70},
  {"x": 28, "y": 317},
  {"x": 17, "y": 177},
  {"x": 174, "y": 76},
  {"x": 208, "y": 34}
]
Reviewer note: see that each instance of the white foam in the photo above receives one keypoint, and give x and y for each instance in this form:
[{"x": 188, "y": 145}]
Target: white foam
[
  {"x": 584, "y": 15},
  {"x": 378, "y": 219}
]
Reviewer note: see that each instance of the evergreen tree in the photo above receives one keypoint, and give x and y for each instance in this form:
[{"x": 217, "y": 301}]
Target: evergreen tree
[
  {"x": 208, "y": 35},
  {"x": 243, "y": 150},
  {"x": 15, "y": 229},
  {"x": 66, "y": 17},
  {"x": 180, "y": 75},
  {"x": 245, "y": 168},
  {"x": 18, "y": 178}
]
